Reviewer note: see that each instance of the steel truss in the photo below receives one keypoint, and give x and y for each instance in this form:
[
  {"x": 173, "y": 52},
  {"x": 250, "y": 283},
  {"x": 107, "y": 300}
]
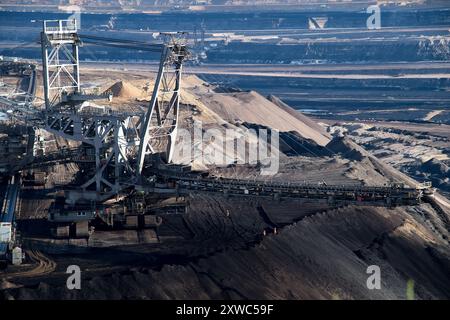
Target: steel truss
[
  {"x": 111, "y": 140},
  {"x": 114, "y": 138},
  {"x": 161, "y": 119}
]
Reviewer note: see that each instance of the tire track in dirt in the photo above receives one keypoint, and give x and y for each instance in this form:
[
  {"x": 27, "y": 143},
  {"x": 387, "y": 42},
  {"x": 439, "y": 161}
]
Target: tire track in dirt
[{"x": 44, "y": 266}]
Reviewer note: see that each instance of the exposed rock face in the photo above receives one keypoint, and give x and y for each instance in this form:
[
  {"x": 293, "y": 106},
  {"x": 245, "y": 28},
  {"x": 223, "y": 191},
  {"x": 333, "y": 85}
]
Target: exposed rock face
[
  {"x": 435, "y": 166},
  {"x": 352, "y": 151}
]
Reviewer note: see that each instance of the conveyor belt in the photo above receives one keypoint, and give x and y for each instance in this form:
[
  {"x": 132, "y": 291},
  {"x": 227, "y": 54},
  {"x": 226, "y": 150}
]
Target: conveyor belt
[{"x": 370, "y": 195}]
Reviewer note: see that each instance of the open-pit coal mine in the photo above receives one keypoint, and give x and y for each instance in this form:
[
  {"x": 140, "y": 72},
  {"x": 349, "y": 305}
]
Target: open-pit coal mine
[{"x": 278, "y": 156}]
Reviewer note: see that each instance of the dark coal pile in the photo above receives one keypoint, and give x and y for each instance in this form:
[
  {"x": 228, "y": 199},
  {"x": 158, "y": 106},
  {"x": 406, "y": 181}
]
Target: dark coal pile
[{"x": 324, "y": 255}]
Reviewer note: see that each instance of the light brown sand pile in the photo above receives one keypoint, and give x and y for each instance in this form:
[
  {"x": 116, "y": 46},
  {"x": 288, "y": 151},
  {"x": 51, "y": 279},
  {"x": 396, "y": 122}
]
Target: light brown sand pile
[
  {"x": 123, "y": 89},
  {"x": 253, "y": 108}
]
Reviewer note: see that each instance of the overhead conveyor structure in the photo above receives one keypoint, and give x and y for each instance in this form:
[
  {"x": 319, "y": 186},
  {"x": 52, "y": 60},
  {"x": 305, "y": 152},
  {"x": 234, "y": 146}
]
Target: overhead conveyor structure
[{"x": 119, "y": 143}]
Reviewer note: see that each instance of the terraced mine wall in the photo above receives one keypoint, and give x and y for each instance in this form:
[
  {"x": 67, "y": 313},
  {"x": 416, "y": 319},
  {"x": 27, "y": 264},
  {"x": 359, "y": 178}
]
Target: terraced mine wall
[{"x": 287, "y": 38}]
